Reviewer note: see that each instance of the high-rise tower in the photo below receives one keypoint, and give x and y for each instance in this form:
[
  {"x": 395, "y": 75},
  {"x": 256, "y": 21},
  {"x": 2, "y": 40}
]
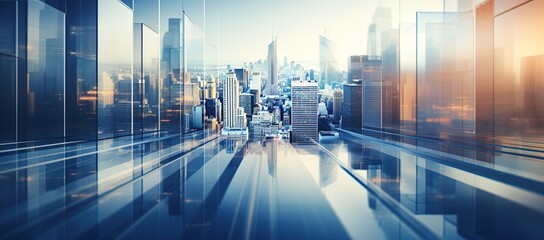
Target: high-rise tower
[
  {"x": 271, "y": 87},
  {"x": 304, "y": 111}
]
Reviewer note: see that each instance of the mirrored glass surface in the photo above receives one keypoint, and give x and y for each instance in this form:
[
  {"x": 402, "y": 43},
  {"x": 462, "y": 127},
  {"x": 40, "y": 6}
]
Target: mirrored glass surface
[{"x": 45, "y": 73}]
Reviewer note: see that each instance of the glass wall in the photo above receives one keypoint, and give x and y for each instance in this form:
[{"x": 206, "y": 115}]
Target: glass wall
[
  {"x": 81, "y": 69},
  {"x": 519, "y": 73},
  {"x": 8, "y": 72},
  {"x": 407, "y": 58},
  {"x": 115, "y": 84},
  {"x": 171, "y": 60},
  {"x": 194, "y": 75},
  {"x": 445, "y": 74},
  {"x": 45, "y": 72},
  {"x": 146, "y": 76}
]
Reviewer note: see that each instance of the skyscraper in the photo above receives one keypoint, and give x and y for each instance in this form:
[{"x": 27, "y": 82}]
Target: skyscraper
[
  {"x": 327, "y": 61},
  {"x": 243, "y": 78},
  {"x": 304, "y": 111},
  {"x": 337, "y": 105},
  {"x": 352, "y": 106},
  {"x": 234, "y": 115},
  {"x": 355, "y": 68},
  {"x": 247, "y": 101},
  {"x": 381, "y": 22},
  {"x": 256, "y": 81},
  {"x": 271, "y": 87}
]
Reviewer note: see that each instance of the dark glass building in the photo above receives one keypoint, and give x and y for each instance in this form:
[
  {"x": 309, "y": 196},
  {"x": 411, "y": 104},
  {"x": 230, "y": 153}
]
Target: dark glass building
[{"x": 352, "y": 109}]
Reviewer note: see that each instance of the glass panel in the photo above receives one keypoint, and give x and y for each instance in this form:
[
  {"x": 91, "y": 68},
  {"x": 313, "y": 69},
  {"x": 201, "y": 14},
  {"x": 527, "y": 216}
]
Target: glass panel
[
  {"x": 195, "y": 9},
  {"x": 45, "y": 72},
  {"x": 445, "y": 74},
  {"x": 193, "y": 111},
  {"x": 8, "y": 20},
  {"x": 8, "y": 98},
  {"x": 519, "y": 76},
  {"x": 407, "y": 59},
  {"x": 145, "y": 89},
  {"x": 81, "y": 70},
  {"x": 484, "y": 69},
  {"x": 147, "y": 12},
  {"x": 115, "y": 102},
  {"x": 170, "y": 93},
  {"x": 502, "y": 6}
]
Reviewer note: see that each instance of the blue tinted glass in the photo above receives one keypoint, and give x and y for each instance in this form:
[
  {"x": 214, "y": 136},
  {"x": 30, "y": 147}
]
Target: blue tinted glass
[
  {"x": 115, "y": 102},
  {"x": 7, "y": 97},
  {"x": 8, "y": 11},
  {"x": 146, "y": 92},
  {"x": 81, "y": 66},
  {"x": 147, "y": 12},
  {"x": 170, "y": 72},
  {"x": 193, "y": 74},
  {"x": 129, "y": 3},
  {"x": 45, "y": 68}
]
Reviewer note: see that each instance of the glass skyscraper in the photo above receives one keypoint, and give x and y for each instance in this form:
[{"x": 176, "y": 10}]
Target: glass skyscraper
[{"x": 113, "y": 112}]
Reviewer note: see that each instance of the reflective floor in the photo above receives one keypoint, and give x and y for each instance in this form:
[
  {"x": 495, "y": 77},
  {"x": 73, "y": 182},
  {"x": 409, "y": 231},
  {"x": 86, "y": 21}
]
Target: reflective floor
[{"x": 203, "y": 186}]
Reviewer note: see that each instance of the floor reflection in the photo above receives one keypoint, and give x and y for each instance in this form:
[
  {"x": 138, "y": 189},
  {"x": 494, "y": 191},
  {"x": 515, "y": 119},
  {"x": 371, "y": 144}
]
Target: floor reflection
[
  {"x": 204, "y": 186},
  {"x": 449, "y": 200}
]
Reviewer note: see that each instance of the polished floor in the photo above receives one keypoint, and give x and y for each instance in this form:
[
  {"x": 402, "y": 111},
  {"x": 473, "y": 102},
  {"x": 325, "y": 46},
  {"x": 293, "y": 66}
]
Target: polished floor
[{"x": 204, "y": 186}]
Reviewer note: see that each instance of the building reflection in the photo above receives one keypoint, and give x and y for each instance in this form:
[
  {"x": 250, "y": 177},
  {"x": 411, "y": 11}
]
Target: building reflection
[
  {"x": 327, "y": 170},
  {"x": 271, "y": 148}
]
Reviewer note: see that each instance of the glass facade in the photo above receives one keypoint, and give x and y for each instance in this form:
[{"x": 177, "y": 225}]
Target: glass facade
[{"x": 193, "y": 72}]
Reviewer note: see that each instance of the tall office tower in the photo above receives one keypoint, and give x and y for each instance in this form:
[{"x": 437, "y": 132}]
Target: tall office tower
[
  {"x": 256, "y": 82},
  {"x": 234, "y": 115},
  {"x": 352, "y": 110},
  {"x": 209, "y": 105},
  {"x": 271, "y": 87},
  {"x": 337, "y": 99},
  {"x": 198, "y": 117},
  {"x": 218, "y": 111},
  {"x": 372, "y": 96},
  {"x": 211, "y": 88},
  {"x": 304, "y": 111},
  {"x": 372, "y": 104},
  {"x": 390, "y": 80},
  {"x": 243, "y": 78},
  {"x": 355, "y": 68},
  {"x": 381, "y": 22},
  {"x": 328, "y": 62},
  {"x": 247, "y": 100}
]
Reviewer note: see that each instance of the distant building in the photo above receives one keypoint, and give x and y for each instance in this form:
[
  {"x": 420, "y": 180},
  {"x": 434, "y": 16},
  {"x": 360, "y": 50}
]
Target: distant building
[
  {"x": 256, "y": 82},
  {"x": 234, "y": 116},
  {"x": 198, "y": 117},
  {"x": 209, "y": 105},
  {"x": 327, "y": 61},
  {"x": 211, "y": 88},
  {"x": 381, "y": 22},
  {"x": 247, "y": 101},
  {"x": 352, "y": 110},
  {"x": 243, "y": 78},
  {"x": 337, "y": 102},
  {"x": 304, "y": 111},
  {"x": 355, "y": 68},
  {"x": 271, "y": 87},
  {"x": 263, "y": 125}
]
